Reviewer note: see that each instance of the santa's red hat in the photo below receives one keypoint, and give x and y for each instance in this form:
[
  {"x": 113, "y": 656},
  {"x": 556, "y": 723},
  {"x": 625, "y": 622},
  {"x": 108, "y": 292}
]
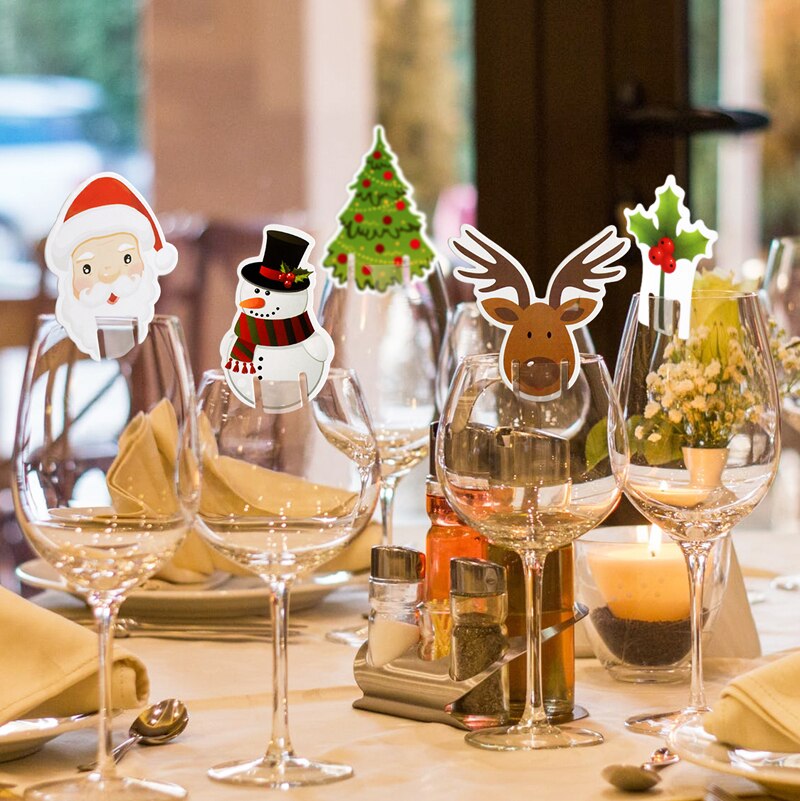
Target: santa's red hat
[{"x": 107, "y": 204}]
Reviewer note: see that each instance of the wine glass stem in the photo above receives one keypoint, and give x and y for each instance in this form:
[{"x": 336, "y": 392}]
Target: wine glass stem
[
  {"x": 280, "y": 744},
  {"x": 534, "y": 714},
  {"x": 388, "y": 487},
  {"x": 104, "y": 609},
  {"x": 696, "y": 554}
]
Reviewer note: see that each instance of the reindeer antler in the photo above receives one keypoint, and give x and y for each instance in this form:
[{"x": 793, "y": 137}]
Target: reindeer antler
[
  {"x": 504, "y": 272},
  {"x": 583, "y": 268}
]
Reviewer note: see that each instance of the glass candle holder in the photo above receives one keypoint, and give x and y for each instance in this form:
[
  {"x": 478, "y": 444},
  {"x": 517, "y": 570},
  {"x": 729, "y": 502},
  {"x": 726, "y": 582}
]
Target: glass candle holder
[{"x": 635, "y": 583}]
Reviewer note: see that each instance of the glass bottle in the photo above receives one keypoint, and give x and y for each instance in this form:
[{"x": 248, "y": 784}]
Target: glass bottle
[
  {"x": 558, "y": 653},
  {"x": 396, "y": 586},
  {"x": 478, "y": 606},
  {"x": 447, "y": 538}
]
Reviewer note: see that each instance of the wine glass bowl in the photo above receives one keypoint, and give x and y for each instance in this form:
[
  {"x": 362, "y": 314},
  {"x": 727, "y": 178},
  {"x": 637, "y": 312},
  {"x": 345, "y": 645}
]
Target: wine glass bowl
[
  {"x": 532, "y": 476},
  {"x": 703, "y": 435},
  {"x": 106, "y": 484},
  {"x": 282, "y": 493}
]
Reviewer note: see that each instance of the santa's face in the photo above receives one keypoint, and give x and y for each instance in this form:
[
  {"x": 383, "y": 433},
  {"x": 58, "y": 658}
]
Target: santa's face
[
  {"x": 268, "y": 304},
  {"x": 105, "y": 269}
]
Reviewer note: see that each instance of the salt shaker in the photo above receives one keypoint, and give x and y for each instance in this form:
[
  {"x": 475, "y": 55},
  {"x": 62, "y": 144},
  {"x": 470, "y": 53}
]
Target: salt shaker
[
  {"x": 396, "y": 588},
  {"x": 479, "y": 606}
]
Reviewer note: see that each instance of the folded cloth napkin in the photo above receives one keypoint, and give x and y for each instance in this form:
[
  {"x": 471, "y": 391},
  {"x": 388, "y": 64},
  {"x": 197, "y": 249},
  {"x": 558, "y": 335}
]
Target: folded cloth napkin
[
  {"x": 760, "y": 710},
  {"x": 49, "y": 665},
  {"x": 139, "y": 478}
]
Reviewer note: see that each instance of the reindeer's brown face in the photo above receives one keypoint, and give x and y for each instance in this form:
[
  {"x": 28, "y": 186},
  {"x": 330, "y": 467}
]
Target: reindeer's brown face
[{"x": 539, "y": 337}]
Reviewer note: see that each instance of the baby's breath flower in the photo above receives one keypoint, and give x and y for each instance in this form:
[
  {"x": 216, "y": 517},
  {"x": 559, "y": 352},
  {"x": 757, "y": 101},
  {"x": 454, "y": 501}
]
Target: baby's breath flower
[{"x": 654, "y": 437}]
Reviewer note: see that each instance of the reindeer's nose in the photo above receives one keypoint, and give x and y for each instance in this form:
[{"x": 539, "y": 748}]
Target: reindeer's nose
[
  {"x": 253, "y": 303},
  {"x": 540, "y": 373}
]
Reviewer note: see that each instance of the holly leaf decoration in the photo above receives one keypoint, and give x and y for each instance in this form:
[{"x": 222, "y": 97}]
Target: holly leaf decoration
[
  {"x": 300, "y": 274},
  {"x": 668, "y": 208},
  {"x": 689, "y": 244},
  {"x": 642, "y": 227}
]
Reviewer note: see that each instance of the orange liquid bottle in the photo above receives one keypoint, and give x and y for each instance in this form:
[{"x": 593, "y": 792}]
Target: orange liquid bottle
[{"x": 447, "y": 538}]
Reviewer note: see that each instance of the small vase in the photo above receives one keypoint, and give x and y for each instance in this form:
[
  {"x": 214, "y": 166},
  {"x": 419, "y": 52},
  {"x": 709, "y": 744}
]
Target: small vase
[{"x": 705, "y": 465}]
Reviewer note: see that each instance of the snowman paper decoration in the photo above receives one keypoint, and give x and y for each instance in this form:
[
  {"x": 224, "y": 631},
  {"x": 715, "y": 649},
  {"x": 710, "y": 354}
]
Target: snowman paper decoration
[{"x": 275, "y": 336}]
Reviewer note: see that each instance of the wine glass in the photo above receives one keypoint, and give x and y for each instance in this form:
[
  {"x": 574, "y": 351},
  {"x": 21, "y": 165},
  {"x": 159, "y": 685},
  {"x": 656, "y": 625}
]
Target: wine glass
[
  {"x": 106, "y": 484},
  {"x": 268, "y": 503},
  {"x": 781, "y": 296},
  {"x": 468, "y": 333},
  {"x": 533, "y": 476},
  {"x": 703, "y": 436},
  {"x": 392, "y": 340}
]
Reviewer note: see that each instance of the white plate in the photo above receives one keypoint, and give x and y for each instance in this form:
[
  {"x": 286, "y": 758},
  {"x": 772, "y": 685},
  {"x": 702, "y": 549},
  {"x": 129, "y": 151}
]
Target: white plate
[
  {"x": 238, "y": 595},
  {"x": 779, "y": 773},
  {"x": 19, "y": 738}
]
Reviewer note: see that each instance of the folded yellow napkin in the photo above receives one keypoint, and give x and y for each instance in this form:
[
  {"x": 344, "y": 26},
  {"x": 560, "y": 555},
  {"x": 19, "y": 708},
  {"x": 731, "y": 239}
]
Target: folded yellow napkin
[
  {"x": 48, "y": 665},
  {"x": 760, "y": 710},
  {"x": 142, "y": 471}
]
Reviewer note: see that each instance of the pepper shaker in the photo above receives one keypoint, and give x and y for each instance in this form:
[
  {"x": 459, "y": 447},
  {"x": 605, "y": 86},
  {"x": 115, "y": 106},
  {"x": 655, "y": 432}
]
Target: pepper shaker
[
  {"x": 479, "y": 606},
  {"x": 396, "y": 587}
]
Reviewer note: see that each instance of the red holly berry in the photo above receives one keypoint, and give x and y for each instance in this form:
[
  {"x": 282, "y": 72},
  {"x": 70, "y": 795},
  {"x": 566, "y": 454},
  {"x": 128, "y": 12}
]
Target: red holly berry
[
  {"x": 668, "y": 265},
  {"x": 398, "y": 260},
  {"x": 379, "y": 248},
  {"x": 366, "y": 183},
  {"x": 400, "y": 205},
  {"x": 341, "y": 258},
  {"x": 387, "y": 220},
  {"x": 414, "y": 243},
  {"x": 388, "y": 175},
  {"x": 667, "y": 245},
  {"x": 359, "y": 218},
  {"x": 376, "y": 154},
  {"x": 656, "y": 254},
  {"x": 366, "y": 270}
]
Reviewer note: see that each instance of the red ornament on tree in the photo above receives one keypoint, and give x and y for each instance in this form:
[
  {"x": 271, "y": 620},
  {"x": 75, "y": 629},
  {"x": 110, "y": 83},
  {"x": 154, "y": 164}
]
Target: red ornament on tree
[
  {"x": 341, "y": 258},
  {"x": 387, "y": 220},
  {"x": 388, "y": 175},
  {"x": 366, "y": 183},
  {"x": 400, "y": 205},
  {"x": 398, "y": 261},
  {"x": 379, "y": 248},
  {"x": 376, "y": 154},
  {"x": 366, "y": 270},
  {"x": 359, "y": 218},
  {"x": 414, "y": 243}
]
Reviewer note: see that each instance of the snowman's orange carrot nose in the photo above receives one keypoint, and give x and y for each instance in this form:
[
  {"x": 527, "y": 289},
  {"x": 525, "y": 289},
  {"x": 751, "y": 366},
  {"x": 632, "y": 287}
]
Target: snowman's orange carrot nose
[{"x": 253, "y": 303}]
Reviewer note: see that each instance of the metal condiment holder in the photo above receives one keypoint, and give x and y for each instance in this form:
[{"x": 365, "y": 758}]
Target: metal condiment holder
[{"x": 411, "y": 687}]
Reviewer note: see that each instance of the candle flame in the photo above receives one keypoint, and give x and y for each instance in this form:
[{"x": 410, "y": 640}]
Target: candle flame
[{"x": 654, "y": 542}]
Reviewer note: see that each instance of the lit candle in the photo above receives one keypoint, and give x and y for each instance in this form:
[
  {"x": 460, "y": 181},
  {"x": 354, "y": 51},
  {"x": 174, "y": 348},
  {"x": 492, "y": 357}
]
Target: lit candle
[
  {"x": 682, "y": 497},
  {"x": 645, "y": 580}
]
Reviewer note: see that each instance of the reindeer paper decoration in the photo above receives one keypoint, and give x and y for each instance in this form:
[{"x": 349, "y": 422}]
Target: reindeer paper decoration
[{"x": 540, "y": 331}]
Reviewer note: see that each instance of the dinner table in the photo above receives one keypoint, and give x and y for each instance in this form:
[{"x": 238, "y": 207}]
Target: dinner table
[{"x": 226, "y": 687}]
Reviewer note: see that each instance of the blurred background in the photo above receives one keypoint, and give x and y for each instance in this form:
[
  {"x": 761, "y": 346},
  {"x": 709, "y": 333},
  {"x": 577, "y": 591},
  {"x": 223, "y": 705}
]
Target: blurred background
[{"x": 538, "y": 119}]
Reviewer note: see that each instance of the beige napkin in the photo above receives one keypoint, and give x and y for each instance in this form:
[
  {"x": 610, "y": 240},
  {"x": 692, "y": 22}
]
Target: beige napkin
[
  {"x": 760, "y": 710},
  {"x": 138, "y": 478},
  {"x": 49, "y": 665}
]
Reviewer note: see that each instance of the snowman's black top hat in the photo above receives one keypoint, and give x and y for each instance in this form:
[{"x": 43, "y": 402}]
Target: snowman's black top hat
[{"x": 283, "y": 254}]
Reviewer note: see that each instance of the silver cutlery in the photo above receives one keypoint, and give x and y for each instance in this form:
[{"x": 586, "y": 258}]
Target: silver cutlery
[
  {"x": 638, "y": 778},
  {"x": 25, "y": 725},
  {"x": 156, "y": 725}
]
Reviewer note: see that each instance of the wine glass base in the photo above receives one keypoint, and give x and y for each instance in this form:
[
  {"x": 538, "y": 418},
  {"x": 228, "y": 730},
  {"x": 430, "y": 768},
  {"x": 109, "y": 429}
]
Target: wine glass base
[
  {"x": 355, "y": 636},
  {"x": 660, "y": 724},
  {"x": 518, "y": 738},
  {"x": 281, "y": 774},
  {"x": 95, "y": 788}
]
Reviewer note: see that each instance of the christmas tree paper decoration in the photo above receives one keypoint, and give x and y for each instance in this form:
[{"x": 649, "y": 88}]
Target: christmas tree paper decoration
[
  {"x": 380, "y": 226},
  {"x": 671, "y": 246}
]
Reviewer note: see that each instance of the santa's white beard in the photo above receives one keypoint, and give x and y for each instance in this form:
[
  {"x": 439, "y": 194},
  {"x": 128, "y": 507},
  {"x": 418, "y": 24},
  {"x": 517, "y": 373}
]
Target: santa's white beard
[{"x": 136, "y": 301}]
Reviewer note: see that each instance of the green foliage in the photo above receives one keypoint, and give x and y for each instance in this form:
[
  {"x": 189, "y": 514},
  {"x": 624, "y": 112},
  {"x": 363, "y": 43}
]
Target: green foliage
[
  {"x": 379, "y": 226},
  {"x": 94, "y": 39},
  {"x": 597, "y": 444},
  {"x": 643, "y": 228}
]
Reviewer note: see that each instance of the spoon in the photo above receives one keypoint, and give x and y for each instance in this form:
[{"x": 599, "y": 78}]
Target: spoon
[
  {"x": 636, "y": 778},
  {"x": 156, "y": 725}
]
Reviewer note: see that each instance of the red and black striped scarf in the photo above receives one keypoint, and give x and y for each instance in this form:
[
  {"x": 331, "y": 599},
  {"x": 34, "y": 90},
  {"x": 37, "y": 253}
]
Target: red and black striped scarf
[{"x": 253, "y": 331}]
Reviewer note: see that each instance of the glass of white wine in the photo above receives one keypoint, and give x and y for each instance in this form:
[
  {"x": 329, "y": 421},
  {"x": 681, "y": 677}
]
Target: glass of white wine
[
  {"x": 106, "y": 484},
  {"x": 282, "y": 493}
]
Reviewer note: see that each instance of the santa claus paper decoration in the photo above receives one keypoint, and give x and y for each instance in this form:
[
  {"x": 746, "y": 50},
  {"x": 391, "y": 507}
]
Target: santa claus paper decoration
[
  {"x": 381, "y": 237},
  {"x": 108, "y": 251},
  {"x": 671, "y": 246},
  {"x": 275, "y": 337}
]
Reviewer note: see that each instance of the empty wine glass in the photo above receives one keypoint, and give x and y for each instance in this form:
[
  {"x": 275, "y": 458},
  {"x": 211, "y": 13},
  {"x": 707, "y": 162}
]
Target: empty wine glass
[
  {"x": 269, "y": 502},
  {"x": 106, "y": 482},
  {"x": 392, "y": 340},
  {"x": 533, "y": 476},
  {"x": 703, "y": 436}
]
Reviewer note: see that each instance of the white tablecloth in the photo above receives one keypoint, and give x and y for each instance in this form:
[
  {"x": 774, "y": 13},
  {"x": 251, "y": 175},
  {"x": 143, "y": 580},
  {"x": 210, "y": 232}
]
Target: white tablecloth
[{"x": 226, "y": 688}]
